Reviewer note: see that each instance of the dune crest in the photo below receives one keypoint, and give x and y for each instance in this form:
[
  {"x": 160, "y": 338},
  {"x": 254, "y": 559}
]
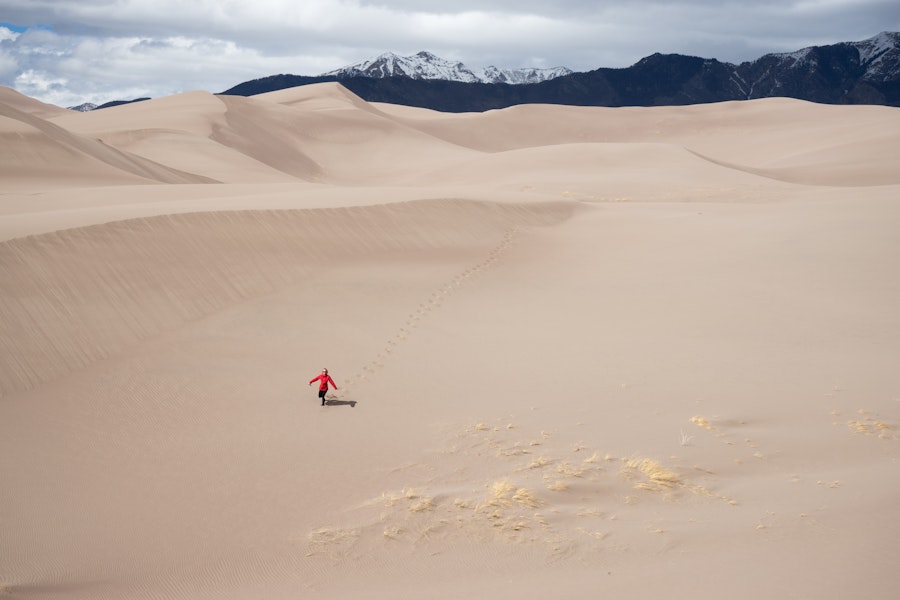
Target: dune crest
[
  {"x": 91, "y": 292},
  {"x": 14, "y": 99},
  {"x": 34, "y": 148},
  {"x": 325, "y": 134}
]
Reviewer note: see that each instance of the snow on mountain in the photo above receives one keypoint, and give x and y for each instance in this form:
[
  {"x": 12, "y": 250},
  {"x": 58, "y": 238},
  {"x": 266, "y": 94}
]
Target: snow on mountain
[
  {"x": 880, "y": 56},
  {"x": 86, "y": 107},
  {"x": 795, "y": 56},
  {"x": 425, "y": 65},
  {"x": 522, "y": 75},
  {"x": 873, "y": 49}
]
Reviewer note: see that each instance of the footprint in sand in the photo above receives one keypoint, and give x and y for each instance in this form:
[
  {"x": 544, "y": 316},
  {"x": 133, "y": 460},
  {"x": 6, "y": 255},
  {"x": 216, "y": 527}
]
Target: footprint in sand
[{"x": 435, "y": 300}]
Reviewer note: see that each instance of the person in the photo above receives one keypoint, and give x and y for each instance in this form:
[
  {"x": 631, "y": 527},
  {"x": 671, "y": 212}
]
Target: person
[{"x": 324, "y": 379}]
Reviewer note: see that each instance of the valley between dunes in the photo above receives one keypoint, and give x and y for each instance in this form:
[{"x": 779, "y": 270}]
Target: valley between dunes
[{"x": 580, "y": 352}]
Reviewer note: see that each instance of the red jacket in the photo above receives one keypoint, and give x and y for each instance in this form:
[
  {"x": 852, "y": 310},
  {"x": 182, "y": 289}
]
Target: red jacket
[{"x": 324, "y": 379}]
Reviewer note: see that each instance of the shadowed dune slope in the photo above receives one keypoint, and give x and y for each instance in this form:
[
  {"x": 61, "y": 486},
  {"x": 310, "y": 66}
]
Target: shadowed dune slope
[
  {"x": 330, "y": 137},
  {"x": 345, "y": 141},
  {"x": 181, "y": 131},
  {"x": 323, "y": 96},
  {"x": 35, "y": 149},
  {"x": 11, "y": 97},
  {"x": 784, "y": 139},
  {"x": 73, "y": 297},
  {"x": 323, "y": 133}
]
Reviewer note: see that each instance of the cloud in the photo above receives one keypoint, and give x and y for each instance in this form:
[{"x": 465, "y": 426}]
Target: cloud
[
  {"x": 67, "y": 71},
  {"x": 95, "y": 50},
  {"x": 7, "y": 34}
]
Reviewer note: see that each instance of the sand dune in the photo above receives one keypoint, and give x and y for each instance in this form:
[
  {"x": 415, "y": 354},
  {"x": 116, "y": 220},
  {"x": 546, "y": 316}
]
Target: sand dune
[
  {"x": 324, "y": 134},
  {"x": 88, "y": 293},
  {"x": 777, "y": 135},
  {"x": 35, "y": 149},
  {"x": 21, "y": 102},
  {"x": 581, "y": 352},
  {"x": 331, "y": 141}
]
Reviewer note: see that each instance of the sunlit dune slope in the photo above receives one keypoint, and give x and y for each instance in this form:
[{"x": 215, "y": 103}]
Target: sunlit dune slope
[
  {"x": 33, "y": 149},
  {"x": 325, "y": 134}
]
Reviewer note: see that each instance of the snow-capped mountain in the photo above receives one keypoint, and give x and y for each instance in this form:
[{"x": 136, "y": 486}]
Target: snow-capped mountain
[
  {"x": 86, "y": 107},
  {"x": 877, "y": 57},
  {"x": 425, "y": 65},
  {"x": 862, "y": 72},
  {"x": 522, "y": 75},
  {"x": 880, "y": 56}
]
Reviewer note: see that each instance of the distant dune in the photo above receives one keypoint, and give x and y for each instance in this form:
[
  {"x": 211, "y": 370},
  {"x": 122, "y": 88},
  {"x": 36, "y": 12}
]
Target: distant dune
[{"x": 580, "y": 352}]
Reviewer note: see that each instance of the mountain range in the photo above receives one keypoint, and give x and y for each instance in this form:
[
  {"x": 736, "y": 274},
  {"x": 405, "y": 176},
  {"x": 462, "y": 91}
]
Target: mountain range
[
  {"x": 425, "y": 65},
  {"x": 865, "y": 72}
]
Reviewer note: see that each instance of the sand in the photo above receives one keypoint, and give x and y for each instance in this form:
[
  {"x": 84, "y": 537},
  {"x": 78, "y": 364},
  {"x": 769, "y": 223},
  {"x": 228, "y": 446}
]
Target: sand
[{"x": 581, "y": 352}]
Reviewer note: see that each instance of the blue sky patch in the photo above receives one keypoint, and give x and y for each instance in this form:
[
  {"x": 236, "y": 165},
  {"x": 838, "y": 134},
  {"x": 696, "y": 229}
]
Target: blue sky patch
[{"x": 23, "y": 28}]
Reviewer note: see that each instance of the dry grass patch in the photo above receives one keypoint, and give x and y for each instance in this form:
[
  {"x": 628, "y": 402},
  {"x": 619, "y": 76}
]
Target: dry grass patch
[
  {"x": 870, "y": 426},
  {"x": 654, "y": 477},
  {"x": 658, "y": 478},
  {"x": 540, "y": 462},
  {"x": 414, "y": 499},
  {"x": 391, "y": 499},
  {"x": 505, "y": 494},
  {"x": 558, "y": 486},
  {"x": 501, "y": 493},
  {"x": 327, "y": 535},
  {"x": 525, "y": 497},
  {"x": 514, "y": 450},
  {"x": 593, "y": 458},
  {"x": 701, "y": 422},
  {"x": 422, "y": 505},
  {"x": 332, "y": 541},
  {"x": 462, "y": 504},
  {"x": 567, "y": 469}
]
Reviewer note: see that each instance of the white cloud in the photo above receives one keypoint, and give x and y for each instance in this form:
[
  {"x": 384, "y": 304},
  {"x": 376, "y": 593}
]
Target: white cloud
[
  {"x": 99, "y": 70},
  {"x": 7, "y": 34},
  {"x": 9, "y": 66}
]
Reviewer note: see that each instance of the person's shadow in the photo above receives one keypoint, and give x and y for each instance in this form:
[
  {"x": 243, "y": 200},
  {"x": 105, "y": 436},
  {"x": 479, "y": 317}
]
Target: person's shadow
[{"x": 335, "y": 402}]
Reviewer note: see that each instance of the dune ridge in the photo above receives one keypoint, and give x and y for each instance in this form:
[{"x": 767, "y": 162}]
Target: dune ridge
[
  {"x": 89, "y": 292},
  {"x": 325, "y": 134},
  {"x": 67, "y": 159},
  {"x": 579, "y": 352}
]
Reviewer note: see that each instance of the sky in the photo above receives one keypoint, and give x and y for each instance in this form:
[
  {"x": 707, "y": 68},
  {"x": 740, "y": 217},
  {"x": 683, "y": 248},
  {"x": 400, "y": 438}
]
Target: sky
[{"x": 67, "y": 52}]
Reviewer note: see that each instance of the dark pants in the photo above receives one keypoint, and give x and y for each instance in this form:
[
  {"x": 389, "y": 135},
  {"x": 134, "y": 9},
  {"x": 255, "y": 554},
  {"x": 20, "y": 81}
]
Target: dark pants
[{"x": 322, "y": 395}]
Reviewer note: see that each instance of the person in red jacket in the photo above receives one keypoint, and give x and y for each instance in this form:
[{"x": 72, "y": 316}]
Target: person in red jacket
[{"x": 324, "y": 379}]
